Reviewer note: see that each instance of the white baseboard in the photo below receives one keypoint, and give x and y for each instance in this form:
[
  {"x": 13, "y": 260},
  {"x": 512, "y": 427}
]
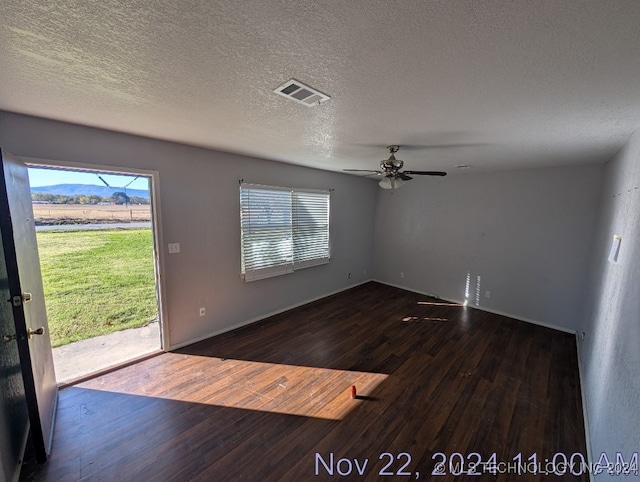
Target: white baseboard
[
  {"x": 261, "y": 317},
  {"x": 495, "y": 312},
  {"x": 311, "y": 300},
  {"x": 585, "y": 414},
  {"x": 433, "y": 295}
]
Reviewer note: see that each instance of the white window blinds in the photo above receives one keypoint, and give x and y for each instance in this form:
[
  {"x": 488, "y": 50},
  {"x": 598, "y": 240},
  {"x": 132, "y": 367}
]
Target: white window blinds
[{"x": 282, "y": 230}]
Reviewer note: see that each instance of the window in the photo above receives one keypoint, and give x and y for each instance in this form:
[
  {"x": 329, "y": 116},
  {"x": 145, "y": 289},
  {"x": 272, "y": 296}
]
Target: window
[{"x": 282, "y": 230}]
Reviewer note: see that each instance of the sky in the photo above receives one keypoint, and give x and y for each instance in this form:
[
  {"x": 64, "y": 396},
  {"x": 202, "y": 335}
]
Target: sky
[{"x": 51, "y": 177}]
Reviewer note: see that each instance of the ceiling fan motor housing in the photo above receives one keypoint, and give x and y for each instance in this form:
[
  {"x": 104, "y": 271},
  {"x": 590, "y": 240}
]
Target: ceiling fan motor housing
[{"x": 391, "y": 166}]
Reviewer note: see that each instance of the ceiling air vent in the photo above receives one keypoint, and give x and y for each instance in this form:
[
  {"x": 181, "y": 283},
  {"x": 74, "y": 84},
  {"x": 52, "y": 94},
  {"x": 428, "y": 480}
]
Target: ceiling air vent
[{"x": 303, "y": 94}]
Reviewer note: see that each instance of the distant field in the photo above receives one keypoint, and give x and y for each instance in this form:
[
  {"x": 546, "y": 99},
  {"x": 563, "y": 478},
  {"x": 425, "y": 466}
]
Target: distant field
[
  {"x": 97, "y": 282},
  {"x": 87, "y": 213}
]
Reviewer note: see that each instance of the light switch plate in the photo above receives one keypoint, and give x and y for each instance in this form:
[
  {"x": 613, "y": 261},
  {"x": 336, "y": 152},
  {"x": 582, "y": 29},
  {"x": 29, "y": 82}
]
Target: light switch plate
[{"x": 174, "y": 248}]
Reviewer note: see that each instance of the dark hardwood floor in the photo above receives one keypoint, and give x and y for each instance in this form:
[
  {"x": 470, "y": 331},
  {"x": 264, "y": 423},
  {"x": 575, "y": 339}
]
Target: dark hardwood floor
[{"x": 271, "y": 401}]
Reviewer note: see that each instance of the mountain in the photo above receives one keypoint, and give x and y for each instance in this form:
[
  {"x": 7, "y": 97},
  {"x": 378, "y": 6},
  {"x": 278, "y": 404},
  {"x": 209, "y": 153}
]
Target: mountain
[{"x": 87, "y": 190}]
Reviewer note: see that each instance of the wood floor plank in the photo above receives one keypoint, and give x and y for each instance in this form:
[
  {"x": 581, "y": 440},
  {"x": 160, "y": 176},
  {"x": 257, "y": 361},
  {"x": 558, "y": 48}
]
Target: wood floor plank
[{"x": 271, "y": 401}]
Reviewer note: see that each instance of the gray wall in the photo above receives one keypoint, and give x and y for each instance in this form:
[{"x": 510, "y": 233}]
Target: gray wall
[
  {"x": 525, "y": 234},
  {"x": 610, "y": 352},
  {"x": 200, "y": 210}
]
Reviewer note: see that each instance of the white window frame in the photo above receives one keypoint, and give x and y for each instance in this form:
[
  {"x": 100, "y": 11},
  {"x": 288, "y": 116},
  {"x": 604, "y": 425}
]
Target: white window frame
[{"x": 273, "y": 242}]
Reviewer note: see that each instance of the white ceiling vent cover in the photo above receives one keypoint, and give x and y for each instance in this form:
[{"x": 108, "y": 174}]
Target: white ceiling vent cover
[{"x": 303, "y": 94}]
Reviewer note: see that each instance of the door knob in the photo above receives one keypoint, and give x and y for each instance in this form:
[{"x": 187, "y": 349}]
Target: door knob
[
  {"x": 26, "y": 297},
  {"x": 38, "y": 331},
  {"x": 7, "y": 338}
]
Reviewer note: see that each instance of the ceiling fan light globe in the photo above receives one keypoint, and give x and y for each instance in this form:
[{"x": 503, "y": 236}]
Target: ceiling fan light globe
[{"x": 390, "y": 182}]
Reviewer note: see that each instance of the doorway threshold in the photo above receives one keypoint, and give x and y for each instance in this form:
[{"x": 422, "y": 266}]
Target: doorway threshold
[{"x": 82, "y": 359}]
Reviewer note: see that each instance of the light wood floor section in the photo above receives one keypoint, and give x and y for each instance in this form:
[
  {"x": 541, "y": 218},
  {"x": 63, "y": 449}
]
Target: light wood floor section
[{"x": 271, "y": 401}]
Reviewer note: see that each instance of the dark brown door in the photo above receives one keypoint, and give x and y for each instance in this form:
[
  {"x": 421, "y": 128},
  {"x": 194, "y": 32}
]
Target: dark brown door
[
  {"x": 14, "y": 419},
  {"x": 27, "y": 301}
]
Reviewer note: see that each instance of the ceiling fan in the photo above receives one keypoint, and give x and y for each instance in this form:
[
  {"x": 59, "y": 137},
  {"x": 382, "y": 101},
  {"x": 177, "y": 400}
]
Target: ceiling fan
[{"x": 393, "y": 178}]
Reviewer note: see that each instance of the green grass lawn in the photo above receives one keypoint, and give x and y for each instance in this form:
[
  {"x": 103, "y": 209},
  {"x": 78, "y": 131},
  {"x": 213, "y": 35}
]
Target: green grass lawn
[{"x": 96, "y": 282}]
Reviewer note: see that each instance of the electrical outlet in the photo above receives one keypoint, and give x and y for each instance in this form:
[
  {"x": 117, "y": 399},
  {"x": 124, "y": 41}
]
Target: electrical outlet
[
  {"x": 487, "y": 294},
  {"x": 203, "y": 311},
  {"x": 401, "y": 274},
  {"x": 174, "y": 248}
]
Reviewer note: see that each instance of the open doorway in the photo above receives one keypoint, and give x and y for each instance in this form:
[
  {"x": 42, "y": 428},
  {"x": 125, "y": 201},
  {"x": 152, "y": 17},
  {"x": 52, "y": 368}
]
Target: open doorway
[{"x": 96, "y": 241}]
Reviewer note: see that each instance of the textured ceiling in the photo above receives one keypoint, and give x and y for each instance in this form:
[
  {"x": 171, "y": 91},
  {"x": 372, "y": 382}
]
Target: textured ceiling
[{"x": 498, "y": 85}]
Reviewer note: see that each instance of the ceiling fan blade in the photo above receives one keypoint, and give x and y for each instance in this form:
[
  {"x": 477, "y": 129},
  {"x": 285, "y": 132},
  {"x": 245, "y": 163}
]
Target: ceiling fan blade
[
  {"x": 420, "y": 147},
  {"x": 404, "y": 177},
  {"x": 370, "y": 171},
  {"x": 426, "y": 173}
]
